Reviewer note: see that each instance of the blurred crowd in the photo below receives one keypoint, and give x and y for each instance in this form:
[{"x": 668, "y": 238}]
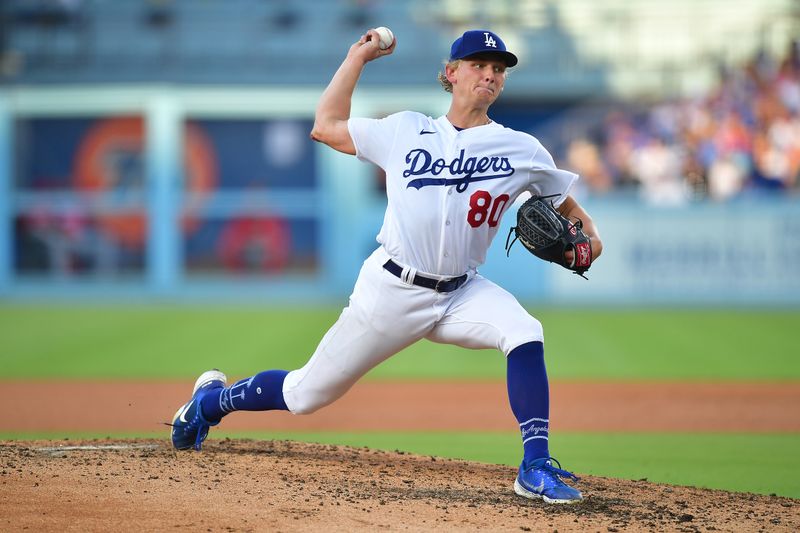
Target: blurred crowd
[{"x": 741, "y": 138}]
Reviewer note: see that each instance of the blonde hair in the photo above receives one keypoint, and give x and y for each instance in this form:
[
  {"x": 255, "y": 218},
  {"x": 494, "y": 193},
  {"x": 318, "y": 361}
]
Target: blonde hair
[{"x": 442, "y": 77}]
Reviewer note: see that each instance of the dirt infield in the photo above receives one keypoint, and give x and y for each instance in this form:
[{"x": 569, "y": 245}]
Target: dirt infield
[
  {"x": 241, "y": 485},
  {"x": 238, "y": 485}
]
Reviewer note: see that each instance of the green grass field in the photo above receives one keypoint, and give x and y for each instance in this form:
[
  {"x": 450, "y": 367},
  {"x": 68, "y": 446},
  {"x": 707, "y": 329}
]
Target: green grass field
[{"x": 178, "y": 342}]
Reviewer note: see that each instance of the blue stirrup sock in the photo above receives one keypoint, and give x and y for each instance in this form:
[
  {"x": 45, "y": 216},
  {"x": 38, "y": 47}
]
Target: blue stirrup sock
[
  {"x": 262, "y": 392},
  {"x": 529, "y": 396}
]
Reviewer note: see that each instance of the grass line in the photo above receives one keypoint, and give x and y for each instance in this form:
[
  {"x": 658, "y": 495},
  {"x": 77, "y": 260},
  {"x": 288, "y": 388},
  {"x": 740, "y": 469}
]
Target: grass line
[{"x": 179, "y": 342}]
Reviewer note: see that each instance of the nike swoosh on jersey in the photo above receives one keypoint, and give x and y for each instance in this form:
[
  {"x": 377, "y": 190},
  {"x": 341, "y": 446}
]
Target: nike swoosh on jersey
[{"x": 426, "y": 132}]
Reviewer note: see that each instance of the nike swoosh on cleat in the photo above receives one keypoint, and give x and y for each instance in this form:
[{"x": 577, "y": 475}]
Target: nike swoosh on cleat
[
  {"x": 540, "y": 488},
  {"x": 426, "y": 132},
  {"x": 182, "y": 417}
]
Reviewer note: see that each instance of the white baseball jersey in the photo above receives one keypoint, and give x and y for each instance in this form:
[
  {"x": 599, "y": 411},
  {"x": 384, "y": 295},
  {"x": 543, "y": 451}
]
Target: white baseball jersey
[{"x": 447, "y": 189}]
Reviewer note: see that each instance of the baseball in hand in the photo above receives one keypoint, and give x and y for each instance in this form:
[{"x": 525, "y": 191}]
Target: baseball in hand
[{"x": 386, "y": 36}]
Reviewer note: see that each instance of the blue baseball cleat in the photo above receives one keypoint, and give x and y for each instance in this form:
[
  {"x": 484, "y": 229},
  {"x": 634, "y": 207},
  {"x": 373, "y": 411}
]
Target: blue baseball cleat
[
  {"x": 189, "y": 428},
  {"x": 540, "y": 479}
]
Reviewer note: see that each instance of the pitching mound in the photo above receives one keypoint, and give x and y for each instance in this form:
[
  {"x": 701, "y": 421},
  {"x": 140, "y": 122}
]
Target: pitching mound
[{"x": 242, "y": 485}]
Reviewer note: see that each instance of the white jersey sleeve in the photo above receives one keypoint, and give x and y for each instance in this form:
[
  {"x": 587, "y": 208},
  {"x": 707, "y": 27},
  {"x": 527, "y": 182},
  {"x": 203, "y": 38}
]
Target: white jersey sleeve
[
  {"x": 374, "y": 138},
  {"x": 546, "y": 179}
]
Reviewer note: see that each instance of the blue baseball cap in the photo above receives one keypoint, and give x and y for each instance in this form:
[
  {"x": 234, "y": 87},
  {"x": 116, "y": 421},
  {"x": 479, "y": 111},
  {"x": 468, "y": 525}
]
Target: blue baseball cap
[{"x": 481, "y": 42}]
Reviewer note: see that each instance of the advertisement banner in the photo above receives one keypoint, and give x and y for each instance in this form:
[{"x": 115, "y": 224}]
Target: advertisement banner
[{"x": 745, "y": 252}]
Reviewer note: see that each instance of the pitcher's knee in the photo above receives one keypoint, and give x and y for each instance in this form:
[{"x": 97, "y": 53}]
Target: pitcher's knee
[
  {"x": 310, "y": 388},
  {"x": 303, "y": 408},
  {"x": 526, "y": 329},
  {"x": 535, "y": 327},
  {"x": 305, "y": 402}
]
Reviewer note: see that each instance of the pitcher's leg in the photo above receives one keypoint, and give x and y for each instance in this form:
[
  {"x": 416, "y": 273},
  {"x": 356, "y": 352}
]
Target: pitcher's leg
[
  {"x": 385, "y": 315},
  {"x": 484, "y": 315},
  {"x": 265, "y": 390},
  {"x": 262, "y": 392},
  {"x": 487, "y": 316},
  {"x": 529, "y": 397},
  {"x": 348, "y": 351}
]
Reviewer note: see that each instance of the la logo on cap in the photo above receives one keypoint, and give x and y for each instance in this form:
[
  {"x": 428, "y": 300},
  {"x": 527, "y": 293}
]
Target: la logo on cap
[{"x": 481, "y": 41}]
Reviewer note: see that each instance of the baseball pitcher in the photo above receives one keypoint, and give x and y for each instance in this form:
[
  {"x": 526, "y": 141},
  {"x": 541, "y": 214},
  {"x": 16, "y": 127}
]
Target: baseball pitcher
[{"x": 449, "y": 181}]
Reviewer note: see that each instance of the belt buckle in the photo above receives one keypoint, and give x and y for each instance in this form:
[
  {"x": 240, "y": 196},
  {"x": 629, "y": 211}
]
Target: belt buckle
[{"x": 436, "y": 287}]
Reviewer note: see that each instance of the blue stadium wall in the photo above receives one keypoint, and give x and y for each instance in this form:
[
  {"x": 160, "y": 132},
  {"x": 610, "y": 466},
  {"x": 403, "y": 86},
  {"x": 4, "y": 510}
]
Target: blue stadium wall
[{"x": 157, "y": 192}]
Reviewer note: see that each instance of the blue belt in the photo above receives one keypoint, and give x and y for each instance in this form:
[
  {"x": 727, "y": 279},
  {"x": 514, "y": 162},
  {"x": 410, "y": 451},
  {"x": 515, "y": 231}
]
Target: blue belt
[{"x": 438, "y": 285}]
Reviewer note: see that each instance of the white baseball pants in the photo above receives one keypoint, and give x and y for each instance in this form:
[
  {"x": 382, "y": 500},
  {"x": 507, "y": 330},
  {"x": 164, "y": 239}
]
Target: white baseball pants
[{"x": 386, "y": 314}]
